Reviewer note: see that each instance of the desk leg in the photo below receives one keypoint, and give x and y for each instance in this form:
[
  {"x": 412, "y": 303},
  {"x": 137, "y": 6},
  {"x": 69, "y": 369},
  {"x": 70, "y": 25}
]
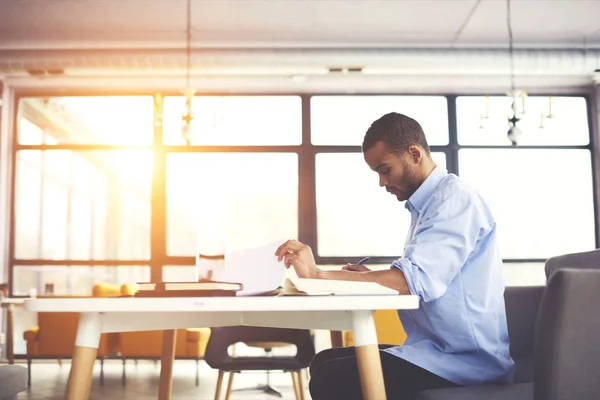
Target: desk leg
[
  {"x": 84, "y": 356},
  {"x": 9, "y": 333},
  {"x": 166, "y": 365},
  {"x": 367, "y": 355}
]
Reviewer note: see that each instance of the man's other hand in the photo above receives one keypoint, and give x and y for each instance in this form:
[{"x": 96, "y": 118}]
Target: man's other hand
[{"x": 300, "y": 256}]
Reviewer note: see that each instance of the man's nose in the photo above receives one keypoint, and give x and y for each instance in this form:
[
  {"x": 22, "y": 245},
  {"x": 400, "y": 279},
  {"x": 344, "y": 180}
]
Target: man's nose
[{"x": 382, "y": 181}]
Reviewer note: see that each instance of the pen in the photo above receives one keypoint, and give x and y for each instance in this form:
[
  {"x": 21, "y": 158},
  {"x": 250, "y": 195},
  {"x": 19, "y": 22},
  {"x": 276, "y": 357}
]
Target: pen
[{"x": 364, "y": 260}]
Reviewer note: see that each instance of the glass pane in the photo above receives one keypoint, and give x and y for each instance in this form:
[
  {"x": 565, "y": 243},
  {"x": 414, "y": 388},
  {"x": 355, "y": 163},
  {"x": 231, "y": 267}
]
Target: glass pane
[
  {"x": 179, "y": 273},
  {"x": 249, "y": 199},
  {"x": 524, "y": 274},
  {"x": 542, "y": 199},
  {"x": 83, "y": 205},
  {"x": 236, "y": 120},
  {"x": 356, "y": 217},
  {"x": 74, "y": 280},
  {"x": 568, "y": 124},
  {"x": 344, "y": 120},
  {"x": 117, "y": 120}
]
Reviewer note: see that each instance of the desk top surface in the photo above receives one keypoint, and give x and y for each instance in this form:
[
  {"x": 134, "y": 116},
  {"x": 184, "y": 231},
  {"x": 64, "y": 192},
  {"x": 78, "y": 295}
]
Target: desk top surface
[
  {"x": 15, "y": 301},
  {"x": 225, "y": 304}
]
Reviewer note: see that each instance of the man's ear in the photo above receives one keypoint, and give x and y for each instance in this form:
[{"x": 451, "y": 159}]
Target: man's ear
[{"x": 415, "y": 153}]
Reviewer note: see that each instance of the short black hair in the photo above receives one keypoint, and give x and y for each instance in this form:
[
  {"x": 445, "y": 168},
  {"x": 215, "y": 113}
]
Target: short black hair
[{"x": 397, "y": 131}]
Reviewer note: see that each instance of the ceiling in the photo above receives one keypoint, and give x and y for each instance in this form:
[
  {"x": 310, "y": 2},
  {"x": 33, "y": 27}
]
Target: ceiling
[
  {"x": 297, "y": 23},
  {"x": 292, "y": 44}
]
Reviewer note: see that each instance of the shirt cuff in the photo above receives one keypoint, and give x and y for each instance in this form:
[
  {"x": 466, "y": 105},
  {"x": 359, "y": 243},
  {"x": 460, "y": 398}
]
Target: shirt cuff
[{"x": 407, "y": 267}]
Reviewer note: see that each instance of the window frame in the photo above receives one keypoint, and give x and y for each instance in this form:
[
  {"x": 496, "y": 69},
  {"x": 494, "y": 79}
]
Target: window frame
[{"x": 306, "y": 152}]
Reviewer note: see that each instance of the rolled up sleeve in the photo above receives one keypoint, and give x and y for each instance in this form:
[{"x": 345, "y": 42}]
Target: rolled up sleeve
[{"x": 445, "y": 236}]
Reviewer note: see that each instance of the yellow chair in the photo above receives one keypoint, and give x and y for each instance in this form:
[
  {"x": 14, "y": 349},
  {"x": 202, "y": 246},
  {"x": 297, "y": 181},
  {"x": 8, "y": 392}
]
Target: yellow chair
[
  {"x": 190, "y": 344},
  {"x": 388, "y": 326}
]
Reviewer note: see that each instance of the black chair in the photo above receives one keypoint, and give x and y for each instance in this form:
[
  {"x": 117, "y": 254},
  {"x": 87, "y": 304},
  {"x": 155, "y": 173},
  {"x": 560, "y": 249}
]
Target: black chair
[
  {"x": 217, "y": 356},
  {"x": 566, "y": 348}
]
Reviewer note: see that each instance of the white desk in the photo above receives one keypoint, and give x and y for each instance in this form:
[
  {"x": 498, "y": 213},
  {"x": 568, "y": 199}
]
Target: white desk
[{"x": 103, "y": 315}]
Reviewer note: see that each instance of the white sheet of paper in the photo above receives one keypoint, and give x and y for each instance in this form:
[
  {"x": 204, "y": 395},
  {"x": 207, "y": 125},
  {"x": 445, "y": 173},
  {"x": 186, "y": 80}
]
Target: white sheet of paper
[{"x": 256, "y": 268}]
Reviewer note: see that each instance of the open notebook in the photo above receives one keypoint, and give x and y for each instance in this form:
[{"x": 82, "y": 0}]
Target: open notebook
[
  {"x": 258, "y": 270},
  {"x": 315, "y": 287}
]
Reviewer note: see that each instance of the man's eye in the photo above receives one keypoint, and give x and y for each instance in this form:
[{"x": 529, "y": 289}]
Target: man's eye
[{"x": 385, "y": 171}]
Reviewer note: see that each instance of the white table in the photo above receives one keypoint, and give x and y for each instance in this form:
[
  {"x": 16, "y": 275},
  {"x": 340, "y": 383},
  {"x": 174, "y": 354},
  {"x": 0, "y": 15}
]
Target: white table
[{"x": 104, "y": 315}]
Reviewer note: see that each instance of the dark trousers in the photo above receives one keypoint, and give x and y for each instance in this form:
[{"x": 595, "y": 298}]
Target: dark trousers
[{"x": 334, "y": 376}]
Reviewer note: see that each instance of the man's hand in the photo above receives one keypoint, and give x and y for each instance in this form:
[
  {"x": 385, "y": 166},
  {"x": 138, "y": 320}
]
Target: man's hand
[
  {"x": 300, "y": 256},
  {"x": 355, "y": 268}
]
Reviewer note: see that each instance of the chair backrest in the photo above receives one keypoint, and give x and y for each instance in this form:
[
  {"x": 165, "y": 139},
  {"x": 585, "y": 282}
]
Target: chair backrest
[
  {"x": 522, "y": 306},
  {"x": 584, "y": 260},
  {"x": 217, "y": 356},
  {"x": 57, "y": 333},
  {"x": 567, "y": 342}
]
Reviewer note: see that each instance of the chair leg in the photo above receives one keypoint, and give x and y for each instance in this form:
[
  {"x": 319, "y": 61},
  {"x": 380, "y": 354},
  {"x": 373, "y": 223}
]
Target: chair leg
[
  {"x": 197, "y": 372},
  {"x": 295, "y": 383},
  {"x": 219, "y": 382},
  {"x": 29, "y": 372},
  {"x": 300, "y": 385},
  {"x": 59, "y": 362},
  {"x": 101, "y": 371},
  {"x": 229, "y": 385},
  {"x": 307, "y": 374},
  {"x": 123, "y": 377}
]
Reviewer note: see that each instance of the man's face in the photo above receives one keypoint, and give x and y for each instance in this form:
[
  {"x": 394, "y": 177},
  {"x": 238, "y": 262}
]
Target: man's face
[{"x": 396, "y": 172}]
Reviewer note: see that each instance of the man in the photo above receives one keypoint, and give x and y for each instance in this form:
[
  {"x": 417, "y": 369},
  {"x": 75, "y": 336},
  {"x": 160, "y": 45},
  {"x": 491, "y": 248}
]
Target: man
[{"x": 458, "y": 335}]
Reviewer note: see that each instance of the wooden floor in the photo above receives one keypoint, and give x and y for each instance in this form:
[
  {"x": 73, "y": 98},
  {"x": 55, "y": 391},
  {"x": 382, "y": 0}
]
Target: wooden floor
[{"x": 49, "y": 380}]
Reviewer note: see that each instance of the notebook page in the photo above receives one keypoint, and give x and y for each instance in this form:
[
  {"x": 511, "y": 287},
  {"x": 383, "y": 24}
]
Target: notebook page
[
  {"x": 256, "y": 268},
  {"x": 329, "y": 286}
]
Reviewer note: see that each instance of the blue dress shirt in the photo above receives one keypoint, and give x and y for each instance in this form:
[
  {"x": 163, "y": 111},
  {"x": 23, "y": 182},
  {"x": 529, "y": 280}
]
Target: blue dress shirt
[{"x": 451, "y": 261}]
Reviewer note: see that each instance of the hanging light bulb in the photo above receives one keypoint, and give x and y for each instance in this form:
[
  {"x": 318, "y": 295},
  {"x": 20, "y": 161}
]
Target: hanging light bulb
[
  {"x": 486, "y": 115},
  {"x": 523, "y": 98},
  {"x": 513, "y": 133},
  {"x": 550, "y": 114},
  {"x": 186, "y": 116}
]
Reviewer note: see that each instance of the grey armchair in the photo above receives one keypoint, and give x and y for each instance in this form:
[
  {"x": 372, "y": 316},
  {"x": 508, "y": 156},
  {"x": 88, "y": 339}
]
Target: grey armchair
[
  {"x": 584, "y": 260},
  {"x": 566, "y": 349},
  {"x": 13, "y": 380}
]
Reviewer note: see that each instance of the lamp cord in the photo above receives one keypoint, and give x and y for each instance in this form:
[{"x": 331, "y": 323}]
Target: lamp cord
[
  {"x": 189, "y": 43},
  {"x": 510, "y": 48}
]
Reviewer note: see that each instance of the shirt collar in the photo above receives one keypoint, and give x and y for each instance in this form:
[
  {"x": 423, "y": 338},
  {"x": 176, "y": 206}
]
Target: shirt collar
[{"x": 423, "y": 192}]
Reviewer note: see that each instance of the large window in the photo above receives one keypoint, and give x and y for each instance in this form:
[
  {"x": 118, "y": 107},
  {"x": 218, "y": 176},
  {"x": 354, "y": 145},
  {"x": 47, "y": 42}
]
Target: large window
[
  {"x": 236, "y": 120},
  {"x": 542, "y": 197},
  {"x": 545, "y": 120},
  {"x": 75, "y": 203},
  {"x": 107, "y": 190},
  {"x": 343, "y": 120},
  {"x": 355, "y": 216},
  {"x": 246, "y": 199}
]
